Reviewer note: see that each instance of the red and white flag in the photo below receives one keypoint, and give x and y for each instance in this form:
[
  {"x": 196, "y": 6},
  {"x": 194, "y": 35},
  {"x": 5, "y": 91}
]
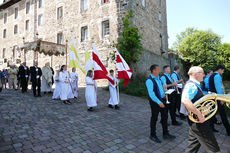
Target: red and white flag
[
  {"x": 100, "y": 71},
  {"x": 123, "y": 69}
]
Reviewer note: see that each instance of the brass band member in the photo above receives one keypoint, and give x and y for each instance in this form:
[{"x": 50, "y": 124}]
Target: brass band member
[
  {"x": 168, "y": 82},
  {"x": 157, "y": 103},
  {"x": 199, "y": 133},
  {"x": 176, "y": 78},
  {"x": 216, "y": 86}
]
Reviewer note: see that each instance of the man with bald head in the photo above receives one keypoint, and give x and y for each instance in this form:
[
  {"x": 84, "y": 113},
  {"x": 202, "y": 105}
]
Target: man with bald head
[{"x": 199, "y": 133}]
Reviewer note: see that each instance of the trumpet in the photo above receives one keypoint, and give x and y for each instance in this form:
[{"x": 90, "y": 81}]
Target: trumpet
[
  {"x": 207, "y": 105},
  {"x": 178, "y": 92},
  {"x": 166, "y": 95}
]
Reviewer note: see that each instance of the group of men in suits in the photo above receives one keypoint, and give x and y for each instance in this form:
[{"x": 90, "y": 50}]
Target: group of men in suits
[{"x": 35, "y": 73}]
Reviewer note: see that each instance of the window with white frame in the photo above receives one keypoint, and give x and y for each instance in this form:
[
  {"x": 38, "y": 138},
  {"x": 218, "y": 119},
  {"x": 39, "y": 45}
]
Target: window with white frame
[
  {"x": 143, "y": 3},
  {"x": 16, "y": 13},
  {"x": 5, "y": 18},
  {"x": 15, "y": 29},
  {"x": 59, "y": 12},
  {"x": 40, "y": 19},
  {"x": 84, "y": 33},
  {"x": 105, "y": 28},
  {"x": 84, "y": 5},
  {"x": 4, "y": 33},
  {"x": 60, "y": 38},
  {"x": 27, "y": 25},
  {"x": 27, "y": 7},
  {"x": 40, "y": 3},
  {"x": 3, "y": 53}
]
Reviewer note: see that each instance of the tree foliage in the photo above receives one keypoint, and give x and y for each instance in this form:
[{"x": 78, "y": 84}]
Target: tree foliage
[
  {"x": 224, "y": 55},
  {"x": 129, "y": 44},
  {"x": 180, "y": 37},
  {"x": 201, "y": 48}
]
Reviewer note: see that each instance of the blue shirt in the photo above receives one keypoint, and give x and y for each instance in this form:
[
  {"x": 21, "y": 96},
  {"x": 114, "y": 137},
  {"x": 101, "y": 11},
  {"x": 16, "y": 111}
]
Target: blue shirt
[
  {"x": 218, "y": 83},
  {"x": 163, "y": 79},
  {"x": 174, "y": 76},
  {"x": 190, "y": 90},
  {"x": 206, "y": 83},
  {"x": 150, "y": 87}
]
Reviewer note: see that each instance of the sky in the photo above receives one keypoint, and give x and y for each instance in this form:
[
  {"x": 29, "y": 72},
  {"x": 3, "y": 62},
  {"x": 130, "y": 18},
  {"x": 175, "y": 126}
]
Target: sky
[{"x": 201, "y": 14}]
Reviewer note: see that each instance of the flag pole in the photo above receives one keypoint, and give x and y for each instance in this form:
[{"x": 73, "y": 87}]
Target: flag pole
[{"x": 66, "y": 50}]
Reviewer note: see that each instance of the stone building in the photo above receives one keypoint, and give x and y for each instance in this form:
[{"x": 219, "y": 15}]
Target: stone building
[{"x": 87, "y": 21}]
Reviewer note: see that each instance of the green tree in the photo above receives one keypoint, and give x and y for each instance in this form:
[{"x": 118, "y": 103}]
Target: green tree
[
  {"x": 180, "y": 37},
  {"x": 224, "y": 55},
  {"x": 129, "y": 44},
  {"x": 201, "y": 48}
]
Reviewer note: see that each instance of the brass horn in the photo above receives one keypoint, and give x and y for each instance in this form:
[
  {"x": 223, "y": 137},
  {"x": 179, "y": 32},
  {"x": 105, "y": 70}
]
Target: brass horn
[{"x": 207, "y": 105}]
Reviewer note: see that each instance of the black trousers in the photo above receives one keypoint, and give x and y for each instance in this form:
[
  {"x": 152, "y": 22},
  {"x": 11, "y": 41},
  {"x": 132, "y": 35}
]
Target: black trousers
[
  {"x": 223, "y": 116},
  {"x": 36, "y": 84},
  {"x": 155, "y": 109},
  {"x": 200, "y": 134},
  {"x": 178, "y": 101},
  {"x": 24, "y": 84},
  {"x": 172, "y": 106}
]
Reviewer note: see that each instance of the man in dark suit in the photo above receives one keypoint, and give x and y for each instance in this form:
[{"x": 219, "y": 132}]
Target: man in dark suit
[
  {"x": 24, "y": 76},
  {"x": 36, "y": 74}
]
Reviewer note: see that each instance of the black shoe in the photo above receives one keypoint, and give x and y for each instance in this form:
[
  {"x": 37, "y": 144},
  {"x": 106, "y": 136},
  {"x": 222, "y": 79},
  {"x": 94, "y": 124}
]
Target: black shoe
[
  {"x": 44, "y": 93},
  {"x": 168, "y": 136},
  {"x": 110, "y": 106},
  {"x": 215, "y": 130},
  {"x": 155, "y": 139},
  {"x": 182, "y": 117},
  {"x": 228, "y": 134},
  {"x": 117, "y": 107},
  {"x": 90, "y": 109},
  {"x": 176, "y": 123}
]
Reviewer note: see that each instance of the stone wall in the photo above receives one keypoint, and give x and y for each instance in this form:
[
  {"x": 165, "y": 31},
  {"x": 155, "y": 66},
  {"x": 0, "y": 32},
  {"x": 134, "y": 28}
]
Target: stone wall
[{"x": 146, "y": 19}]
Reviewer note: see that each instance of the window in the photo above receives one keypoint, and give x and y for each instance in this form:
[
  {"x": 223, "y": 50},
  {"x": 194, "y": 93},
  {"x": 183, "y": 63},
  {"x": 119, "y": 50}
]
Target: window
[
  {"x": 84, "y": 5},
  {"x": 161, "y": 43},
  {"x": 27, "y": 24},
  {"x": 60, "y": 38},
  {"x": 16, "y": 13},
  {"x": 105, "y": 28},
  {"x": 40, "y": 3},
  {"x": 159, "y": 17},
  {"x": 40, "y": 20},
  {"x": 59, "y": 12},
  {"x": 143, "y": 3},
  {"x": 27, "y": 7},
  {"x": 4, "y": 33},
  {"x": 15, "y": 29},
  {"x": 3, "y": 53},
  {"x": 5, "y": 18},
  {"x": 159, "y": 1},
  {"x": 84, "y": 33},
  {"x": 105, "y": 1}
]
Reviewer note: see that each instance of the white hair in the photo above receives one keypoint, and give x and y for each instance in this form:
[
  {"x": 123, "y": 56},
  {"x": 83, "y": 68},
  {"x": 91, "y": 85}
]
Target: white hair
[{"x": 194, "y": 69}]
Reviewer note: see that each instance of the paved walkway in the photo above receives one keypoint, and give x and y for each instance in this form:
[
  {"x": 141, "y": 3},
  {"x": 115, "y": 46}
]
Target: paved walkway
[{"x": 29, "y": 125}]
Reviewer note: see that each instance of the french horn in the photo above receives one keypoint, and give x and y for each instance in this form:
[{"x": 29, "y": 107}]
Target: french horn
[{"x": 207, "y": 105}]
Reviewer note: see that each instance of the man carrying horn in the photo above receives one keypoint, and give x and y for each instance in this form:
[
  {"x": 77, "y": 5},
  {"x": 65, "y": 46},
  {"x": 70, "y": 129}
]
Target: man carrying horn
[{"x": 199, "y": 133}]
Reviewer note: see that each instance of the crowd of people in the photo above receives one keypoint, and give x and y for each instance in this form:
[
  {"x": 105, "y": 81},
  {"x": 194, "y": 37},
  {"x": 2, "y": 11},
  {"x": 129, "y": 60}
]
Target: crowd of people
[
  {"x": 66, "y": 83},
  {"x": 162, "y": 101}
]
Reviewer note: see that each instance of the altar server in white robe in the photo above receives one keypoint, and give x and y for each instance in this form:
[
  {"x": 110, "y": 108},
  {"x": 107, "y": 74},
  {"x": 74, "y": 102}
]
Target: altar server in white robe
[
  {"x": 113, "y": 101},
  {"x": 74, "y": 82},
  {"x": 66, "y": 89},
  {"x": 90, "y": 91},
  {"x": 57, "y": 90}
]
